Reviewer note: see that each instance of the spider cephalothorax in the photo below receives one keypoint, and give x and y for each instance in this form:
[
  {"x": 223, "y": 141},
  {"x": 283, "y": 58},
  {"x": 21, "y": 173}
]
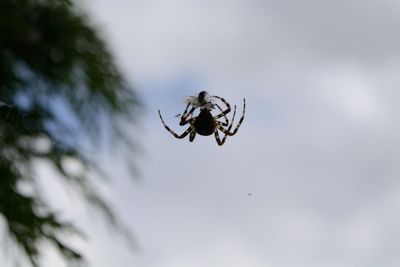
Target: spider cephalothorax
[
  {"x": 205, "y": 123},
  {"x": 203, "y": 99}
]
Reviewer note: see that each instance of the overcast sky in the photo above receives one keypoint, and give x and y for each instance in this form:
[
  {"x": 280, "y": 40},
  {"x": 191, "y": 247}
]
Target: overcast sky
[{"x": 311, "y": 178}]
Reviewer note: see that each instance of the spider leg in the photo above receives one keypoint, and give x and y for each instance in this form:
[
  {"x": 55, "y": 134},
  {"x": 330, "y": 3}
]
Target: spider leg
[
  {"x": 186, "y": 110},
  {"x": 219, "y": 142},
  {"x": 183, "y": 135},
  {"x": 227, "y": 131},
  {"x": 228, "y": 107},
  {"x": 186, "y": 115},
  {"x": 192, "y": 135},
  {"x": 216, "y": 134},
  {"x": 233, "y": 117},
  {"x": 226, "y": 123},
  {"x": 230, "y": 126}
]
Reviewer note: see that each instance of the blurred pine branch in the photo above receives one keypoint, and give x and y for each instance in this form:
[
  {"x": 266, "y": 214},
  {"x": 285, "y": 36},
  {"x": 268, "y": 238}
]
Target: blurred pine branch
[{"x": 49, "y": 53}]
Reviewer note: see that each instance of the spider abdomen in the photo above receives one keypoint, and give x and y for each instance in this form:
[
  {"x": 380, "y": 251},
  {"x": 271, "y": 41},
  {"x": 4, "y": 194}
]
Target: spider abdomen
[{"x": 205, "y": 123}]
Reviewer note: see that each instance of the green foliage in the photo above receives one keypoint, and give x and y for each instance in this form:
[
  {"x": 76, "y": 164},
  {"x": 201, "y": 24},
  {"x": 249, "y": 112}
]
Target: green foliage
[{"x": 49, "y": 52}]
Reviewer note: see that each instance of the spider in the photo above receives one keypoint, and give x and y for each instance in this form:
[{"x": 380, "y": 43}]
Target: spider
[{"x": 205, "y": 123}]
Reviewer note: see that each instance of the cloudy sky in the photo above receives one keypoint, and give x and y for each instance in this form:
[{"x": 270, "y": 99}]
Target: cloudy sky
[{"x": 311, "y": 178}]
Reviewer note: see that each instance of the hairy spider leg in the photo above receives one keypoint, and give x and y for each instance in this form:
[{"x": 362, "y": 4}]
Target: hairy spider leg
[
  {"x": 217, "y": 138},
  {"x": 224, "y": 112},
  {"x": 185, "y": 120},
  {"x": 230, "y": 126},
  {"x": 183, "y": 135},
  {"x": 192, "y": 135},
  {"x": 227, "y": 132},
  {"x": 186, "y": 115},
  {"x": 226, "y": 123}
]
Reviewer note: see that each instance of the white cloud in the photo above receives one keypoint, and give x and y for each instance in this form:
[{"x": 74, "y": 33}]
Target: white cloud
[{"x": 233, "y": 38}]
